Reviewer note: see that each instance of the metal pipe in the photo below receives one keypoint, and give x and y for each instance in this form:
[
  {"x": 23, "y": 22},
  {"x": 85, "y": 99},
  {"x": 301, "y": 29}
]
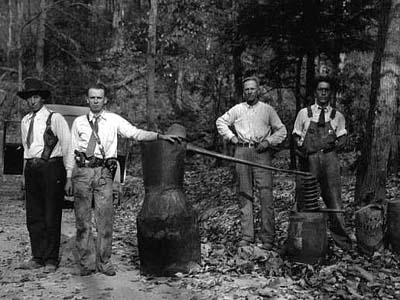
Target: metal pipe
[{"x": 193, "y": 148}]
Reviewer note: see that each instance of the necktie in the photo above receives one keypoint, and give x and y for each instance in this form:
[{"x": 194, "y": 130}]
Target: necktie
[
  {"x": 321, "y": 120},
  {"x": 29, "y": 137},
  {"x": 92, "y": 141}
]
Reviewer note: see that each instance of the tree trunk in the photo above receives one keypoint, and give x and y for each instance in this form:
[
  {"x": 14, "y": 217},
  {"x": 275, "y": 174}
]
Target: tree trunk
[
  {"x": 41, "y": 32},
  {"x": 237, "y": 52},
  {"x": 297, "y": 93},
  {"x": 373, "y": 165},
  {"x": 20, "y": 19},
  {"x": 118, "y": 27},
  {"x": 179, "y": 88},
  {"x": 10, "y": 24},
  {"x": 151, "y": 65},
  {"x": 310, "y": 19}
]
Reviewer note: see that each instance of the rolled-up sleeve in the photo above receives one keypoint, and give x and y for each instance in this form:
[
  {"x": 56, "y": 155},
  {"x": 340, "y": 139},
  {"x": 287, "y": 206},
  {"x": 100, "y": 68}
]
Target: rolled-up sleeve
[
  {"x": 341, "y": 125},
  {"x": 224, "y": 122},
  {"x": 279, "y": 131},
  {"x": 298, "y": 127},
  {"x": 127, "y": 130}
]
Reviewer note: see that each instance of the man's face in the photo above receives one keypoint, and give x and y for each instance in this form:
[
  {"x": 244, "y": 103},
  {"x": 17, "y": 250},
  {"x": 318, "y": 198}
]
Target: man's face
[
  {"x": 250, "y": 89},
  {"x": 35, "y": 103},
  {"x": 96, "y": 100},
  {"x": 323, "y": 93}
]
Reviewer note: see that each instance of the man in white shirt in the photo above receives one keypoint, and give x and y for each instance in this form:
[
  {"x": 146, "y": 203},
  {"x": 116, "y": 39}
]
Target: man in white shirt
[
  {"x": 319, "y": 130},
  {"x": 45, "y": 138},
  {"x": 258, "y": 128},
  {"x": 93, "y": 152}
]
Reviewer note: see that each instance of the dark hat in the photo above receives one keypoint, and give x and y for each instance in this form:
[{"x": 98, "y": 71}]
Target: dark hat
[{"x": 32, "y": 87}]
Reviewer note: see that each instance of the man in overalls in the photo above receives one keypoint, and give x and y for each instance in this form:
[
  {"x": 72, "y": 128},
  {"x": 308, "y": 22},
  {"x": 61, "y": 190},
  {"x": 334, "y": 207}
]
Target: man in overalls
[{"x": 319, "y": 130}]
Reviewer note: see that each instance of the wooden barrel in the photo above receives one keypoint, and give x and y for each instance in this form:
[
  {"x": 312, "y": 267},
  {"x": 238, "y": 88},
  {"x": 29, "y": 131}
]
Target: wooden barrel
[
  {"x": 307, "y": 238},
  {"x": 369, "y": 222},
  {"x": 393, "y": 225}
]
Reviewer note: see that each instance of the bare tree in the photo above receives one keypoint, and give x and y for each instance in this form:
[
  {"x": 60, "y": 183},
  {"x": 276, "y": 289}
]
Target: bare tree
[
  {"x": 373, "y": 166},
  {"x": 151, "y": 65},
  {"x": 10, "y": 25},
  {"x": 41, "y": 33}
]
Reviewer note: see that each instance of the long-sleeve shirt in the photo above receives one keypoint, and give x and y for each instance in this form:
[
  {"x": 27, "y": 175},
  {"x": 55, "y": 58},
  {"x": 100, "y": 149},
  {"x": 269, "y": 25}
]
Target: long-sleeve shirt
[
  {"x": 253, "y": 124},
  {"x": 110, "y": 125},
  {"x": 303, "y": 121},
  {"x": 59, "y": 126}
]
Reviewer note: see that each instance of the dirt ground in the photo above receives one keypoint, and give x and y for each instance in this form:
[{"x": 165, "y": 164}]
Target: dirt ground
[{"x": 65, "y": 283}]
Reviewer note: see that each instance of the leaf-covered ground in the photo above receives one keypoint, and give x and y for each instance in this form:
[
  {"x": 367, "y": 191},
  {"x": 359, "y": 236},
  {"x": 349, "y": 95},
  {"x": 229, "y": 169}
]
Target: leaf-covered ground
[{"x": 226, "y": 271}]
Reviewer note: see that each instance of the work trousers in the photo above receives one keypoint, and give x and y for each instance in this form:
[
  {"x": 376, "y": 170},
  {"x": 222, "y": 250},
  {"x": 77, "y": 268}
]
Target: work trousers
[
  {"x": 251, "y": 180},
  {"x": 326, "y": 168},
  {"x": 93, "y": 189},
  {"x": 44, "y": 185}
]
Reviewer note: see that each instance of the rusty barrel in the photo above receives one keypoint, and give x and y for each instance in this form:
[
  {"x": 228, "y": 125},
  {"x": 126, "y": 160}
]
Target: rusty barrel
[
  {"x": 369, "y": 223},
  {"x": 307, "y": 238},
  {"x": 393, "y": 225},
  {"x": 168, "y": 235}
]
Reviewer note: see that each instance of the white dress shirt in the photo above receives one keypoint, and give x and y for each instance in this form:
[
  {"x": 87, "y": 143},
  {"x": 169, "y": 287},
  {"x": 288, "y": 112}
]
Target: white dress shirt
[
  {"x": 253, "y": 123},
  {"x": 303, "y": 121},
  {"x": 110, "y": 126},
  {"x": 59, "y": 126}
]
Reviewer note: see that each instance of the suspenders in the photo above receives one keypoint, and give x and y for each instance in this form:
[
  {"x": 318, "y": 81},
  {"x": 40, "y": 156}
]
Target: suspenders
[{"x": 331, "y": 116}]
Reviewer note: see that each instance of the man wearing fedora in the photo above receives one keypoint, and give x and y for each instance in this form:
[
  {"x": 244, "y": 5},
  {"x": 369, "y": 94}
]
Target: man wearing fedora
[{"x": 45, "y": 138}]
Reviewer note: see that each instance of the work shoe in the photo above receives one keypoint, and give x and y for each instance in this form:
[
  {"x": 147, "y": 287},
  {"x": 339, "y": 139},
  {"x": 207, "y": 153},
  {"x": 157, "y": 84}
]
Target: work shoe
[
  {"x": 31, "y": 264},
  {"x": 49, "y": 268},
  {"x": 108, "y": 270}
]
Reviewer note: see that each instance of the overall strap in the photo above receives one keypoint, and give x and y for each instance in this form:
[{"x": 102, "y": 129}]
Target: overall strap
[
  {"x": 333, "y": 114},
  {"x": 48, "y": 121},
  {"x": 309, "y": 112}
]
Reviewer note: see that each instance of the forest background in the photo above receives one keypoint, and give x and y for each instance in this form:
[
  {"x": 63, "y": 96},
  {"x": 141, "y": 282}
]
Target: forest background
[{"x": 170, "y": 61}]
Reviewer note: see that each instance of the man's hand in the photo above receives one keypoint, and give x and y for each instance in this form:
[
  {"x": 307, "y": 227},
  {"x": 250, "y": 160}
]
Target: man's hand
[
  {"x": 262, "y": 147},
  {"x": 170, "y": 138},
  {"x": 68, "y": 188},
  {"x": 234, "y": 140}
]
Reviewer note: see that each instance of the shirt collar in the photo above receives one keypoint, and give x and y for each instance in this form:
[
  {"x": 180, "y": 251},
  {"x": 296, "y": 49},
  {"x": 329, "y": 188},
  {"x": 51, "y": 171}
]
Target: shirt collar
[
  {"x": 250, "y": 106},
  {"x": 327, "y": 108},
  {"x": 101, "y": 115},
  {"x": 39, "y": 112}
]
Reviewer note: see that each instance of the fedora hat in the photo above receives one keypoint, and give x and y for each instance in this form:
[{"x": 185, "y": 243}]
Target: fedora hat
[{"x": 32, "y": 87}]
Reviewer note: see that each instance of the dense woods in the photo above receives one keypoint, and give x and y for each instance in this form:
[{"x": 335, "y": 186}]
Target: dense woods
[{"x": 183, "y": 61}]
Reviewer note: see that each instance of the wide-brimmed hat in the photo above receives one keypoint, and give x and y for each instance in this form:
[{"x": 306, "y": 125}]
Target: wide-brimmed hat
[{"x": 32, "y": 87}]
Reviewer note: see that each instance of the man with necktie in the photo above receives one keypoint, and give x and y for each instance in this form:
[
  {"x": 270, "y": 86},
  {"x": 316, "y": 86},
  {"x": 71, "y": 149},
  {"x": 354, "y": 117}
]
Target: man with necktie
[
  {"x": 93, "y": 151},
  {"x": 319, "y": 131},
  {"x": 258, "y": 129},
  {"x": 45, "y": 138}
]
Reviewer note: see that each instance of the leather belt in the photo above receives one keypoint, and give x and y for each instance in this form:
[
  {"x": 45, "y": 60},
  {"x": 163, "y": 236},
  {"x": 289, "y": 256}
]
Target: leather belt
[
  {"x": 92, "y": 163},
  {"x": 38, "y": 160},
  {"x": 322, "y": 151},
  {"x": 247, "y": 145}
]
